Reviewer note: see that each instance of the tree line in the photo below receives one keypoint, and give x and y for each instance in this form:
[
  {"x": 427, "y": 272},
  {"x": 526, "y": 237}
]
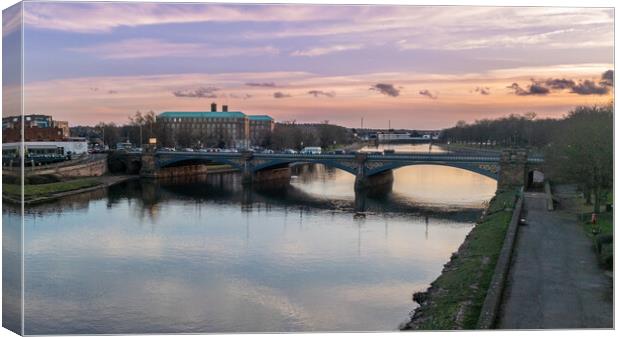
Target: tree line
[
  {"x": 142, "y": 126},
  {"x": 297, "y": 136},
  {"x": 581, "y": 151},
  {"x": 138, "y": 130},
  {"x": 513, "y": 130},
  {"x": 578, "y": 147}
]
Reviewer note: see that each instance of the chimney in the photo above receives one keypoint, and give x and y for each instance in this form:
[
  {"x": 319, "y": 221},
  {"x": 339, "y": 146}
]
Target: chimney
[
  {"x": 224, "y": 108},
  {"x": 213, "y": 107}
]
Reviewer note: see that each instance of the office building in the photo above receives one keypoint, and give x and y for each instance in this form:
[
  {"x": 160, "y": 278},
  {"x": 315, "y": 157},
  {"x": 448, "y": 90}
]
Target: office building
[{"x": 214, "y": 128}]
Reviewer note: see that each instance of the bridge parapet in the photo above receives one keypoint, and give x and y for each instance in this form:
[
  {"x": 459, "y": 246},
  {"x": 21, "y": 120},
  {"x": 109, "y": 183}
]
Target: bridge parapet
[{"x": 509, "y": 168}]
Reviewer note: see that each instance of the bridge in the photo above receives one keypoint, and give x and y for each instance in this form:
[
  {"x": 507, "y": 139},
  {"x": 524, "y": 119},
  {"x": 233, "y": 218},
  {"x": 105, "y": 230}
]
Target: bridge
[{"x": 511, "y": 168}]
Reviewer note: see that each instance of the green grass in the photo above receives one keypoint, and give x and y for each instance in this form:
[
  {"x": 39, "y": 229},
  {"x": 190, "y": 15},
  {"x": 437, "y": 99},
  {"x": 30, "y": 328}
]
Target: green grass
[
  {"x": 45, "y": 190},
  {"x": 603, "y": 229},
  {"x": 606, "y": 224},
  {"x": 606, "y": 253},
  {"x": 462, "y": 287},
  {"x": 602, "y": 232}
]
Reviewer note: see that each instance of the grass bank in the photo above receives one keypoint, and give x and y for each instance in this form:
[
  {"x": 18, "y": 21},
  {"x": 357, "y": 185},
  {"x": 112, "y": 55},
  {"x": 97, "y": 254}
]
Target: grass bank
[
  {"x": 602, "y": 234},
  {"x": 604, "y": 240},
  {"x": 47, "y": 190},
  {"x": 455, "y": 298}
]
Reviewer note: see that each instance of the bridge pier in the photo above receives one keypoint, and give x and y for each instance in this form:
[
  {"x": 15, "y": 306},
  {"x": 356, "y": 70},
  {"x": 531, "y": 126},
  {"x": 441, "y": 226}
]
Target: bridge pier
[
  {"x": 148, "y": 168},
  {"x": 512, "y": 169},
  {"x": 375, "y": 184},
  {"x": 276, "y": 176}
]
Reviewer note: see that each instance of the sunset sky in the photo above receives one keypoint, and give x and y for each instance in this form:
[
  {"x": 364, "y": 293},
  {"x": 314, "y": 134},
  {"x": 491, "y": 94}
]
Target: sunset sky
[{"x": 418, "y": 67}]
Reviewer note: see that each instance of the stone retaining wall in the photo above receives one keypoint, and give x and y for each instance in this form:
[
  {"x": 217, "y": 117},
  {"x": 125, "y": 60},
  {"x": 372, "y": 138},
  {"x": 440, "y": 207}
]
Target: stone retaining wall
[
  {"x": 492, "y": 301},
  {"x": 94, "y": 168}
]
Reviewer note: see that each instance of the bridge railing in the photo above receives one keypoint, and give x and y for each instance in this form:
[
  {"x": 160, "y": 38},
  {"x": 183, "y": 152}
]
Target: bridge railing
[{"x": 408, "y": 156}]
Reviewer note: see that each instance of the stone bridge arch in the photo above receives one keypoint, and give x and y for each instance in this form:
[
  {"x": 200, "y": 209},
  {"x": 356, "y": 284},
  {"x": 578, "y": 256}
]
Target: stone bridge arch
[
  {"x": 510, "y": 168},
  {"x": 350, "y": 167},
  {"x": 163, "y": 161},
  {"x": 488, "y": 170}
]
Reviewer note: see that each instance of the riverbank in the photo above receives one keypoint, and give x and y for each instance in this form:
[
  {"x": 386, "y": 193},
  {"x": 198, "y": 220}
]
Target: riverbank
[
  {"x": 601, "y": 233},
  {"x": 39, "y": 193},
  {"x": 454, "y": 300}
]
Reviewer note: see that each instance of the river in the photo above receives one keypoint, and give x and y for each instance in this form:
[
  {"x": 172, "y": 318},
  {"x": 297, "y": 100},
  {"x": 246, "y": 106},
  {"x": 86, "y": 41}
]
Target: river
[{"x": 206, "y": 255}]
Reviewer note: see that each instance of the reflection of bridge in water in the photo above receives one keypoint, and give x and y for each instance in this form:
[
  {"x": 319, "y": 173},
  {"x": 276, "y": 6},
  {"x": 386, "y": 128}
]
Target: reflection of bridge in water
[
  {"x": 510, "y": 168},
  {"x": 227, "y": 188},
  {"x": 147, "y": 196}
]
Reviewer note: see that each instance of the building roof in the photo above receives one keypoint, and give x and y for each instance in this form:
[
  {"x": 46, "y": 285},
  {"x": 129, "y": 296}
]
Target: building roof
[
  {"x": 202, "y": 114},
  {"x": 260, "y": 118}
]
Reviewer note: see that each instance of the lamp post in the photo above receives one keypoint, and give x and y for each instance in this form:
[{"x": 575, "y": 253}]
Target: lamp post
[{"x": 103, "y": 135}]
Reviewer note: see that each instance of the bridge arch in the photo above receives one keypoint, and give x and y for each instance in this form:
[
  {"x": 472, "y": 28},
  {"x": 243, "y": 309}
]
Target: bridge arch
[
  {"x": 287, "y": 162},
  {"x": 535, "y": 178},
  {"x": 476, "y": 168},
  {"x": 165, "y": 162}
]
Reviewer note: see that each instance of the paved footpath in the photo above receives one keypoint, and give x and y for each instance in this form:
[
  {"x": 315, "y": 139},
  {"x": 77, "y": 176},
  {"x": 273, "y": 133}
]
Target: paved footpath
[{"x": 555, "y": 281}]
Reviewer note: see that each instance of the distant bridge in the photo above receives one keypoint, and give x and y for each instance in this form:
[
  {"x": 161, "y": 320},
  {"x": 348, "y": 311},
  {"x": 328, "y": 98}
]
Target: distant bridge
[{"x": 510, "y": 167}]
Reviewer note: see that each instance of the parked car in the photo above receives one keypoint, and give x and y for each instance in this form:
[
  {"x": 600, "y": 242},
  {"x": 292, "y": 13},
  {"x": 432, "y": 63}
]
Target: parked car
[
  {"x": 289, "y": 151},
  {"x": 268, "y": 151},
  {"x": 187, "y": 149}
]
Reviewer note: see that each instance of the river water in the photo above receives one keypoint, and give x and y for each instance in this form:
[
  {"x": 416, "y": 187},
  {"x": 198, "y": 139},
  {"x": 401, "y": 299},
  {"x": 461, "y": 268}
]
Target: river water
[{"x": 206, "y": 255}]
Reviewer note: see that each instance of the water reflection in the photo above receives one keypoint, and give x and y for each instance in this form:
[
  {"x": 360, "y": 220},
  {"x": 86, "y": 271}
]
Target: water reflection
[
  {"x": 11, "y": 264},
  {"x": 206, "y": 255},
  {"x": 433, "y": 148},
  {"x": 419, "y": 186}
]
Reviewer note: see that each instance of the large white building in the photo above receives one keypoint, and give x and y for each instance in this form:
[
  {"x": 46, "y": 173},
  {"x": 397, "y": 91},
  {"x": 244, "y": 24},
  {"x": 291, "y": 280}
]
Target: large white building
[{"x": 45, "y": 150}]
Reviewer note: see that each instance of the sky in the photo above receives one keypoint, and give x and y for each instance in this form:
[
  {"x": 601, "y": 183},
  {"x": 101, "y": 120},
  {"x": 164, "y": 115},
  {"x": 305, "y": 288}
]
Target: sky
[{"x": 409, "y": 66}]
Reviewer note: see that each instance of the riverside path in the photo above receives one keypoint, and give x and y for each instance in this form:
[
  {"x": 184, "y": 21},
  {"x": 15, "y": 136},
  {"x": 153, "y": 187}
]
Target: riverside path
[{"x": 554, "y": 281}]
